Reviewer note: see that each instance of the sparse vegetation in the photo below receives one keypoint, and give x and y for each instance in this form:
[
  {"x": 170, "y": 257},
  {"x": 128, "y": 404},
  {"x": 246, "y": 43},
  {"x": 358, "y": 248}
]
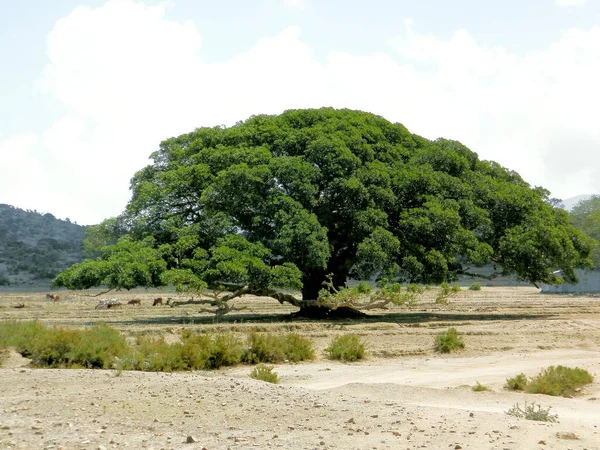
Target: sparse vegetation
[
  {"x": 348, "y": 347},
  {"x": 530, "y": 412},
  {"x": 264, "y": 373},
  {"x": 475, "y": 286},
  {"x": 446, "y": 291},
  {"x": 559, "y": 381},
  {"x": 448, "y": 341},
  {"x": 567, "y": 435},
  {"x": 103, "y": 347},
  {"x": 269, "y": 348},
  {"x": 516, "y": 383},
  {"x": 480, "y": 388}
]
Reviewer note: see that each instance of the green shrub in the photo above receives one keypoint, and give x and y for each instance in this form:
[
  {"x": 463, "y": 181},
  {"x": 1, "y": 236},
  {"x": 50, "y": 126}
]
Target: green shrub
[
  {"x": 448, "y": 341},
  {"x": 517, "y": 383},
  {"x": 348, "y": 347},
  {"x": 475, "y": 286},
  {"x": 268, "y": 348},
  {"x": 480, "y": 387},
  {"x": 559, "y": 381},
  {"x": 529, "y": 412},
  {"x": 98, "y": 347},
  {"x": 227, "y": 350},
  {"x": 264, "y": 373},
  {"x": 446, "y": 292},
  {"x": 57, "y": 347},
  {"x": 298, "y": 348},
  {"x": 102, "y": 347}
]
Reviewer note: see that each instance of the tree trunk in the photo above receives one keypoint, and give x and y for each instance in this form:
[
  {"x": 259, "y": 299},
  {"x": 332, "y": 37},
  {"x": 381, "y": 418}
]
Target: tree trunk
[{"x": 312, "y": 284}]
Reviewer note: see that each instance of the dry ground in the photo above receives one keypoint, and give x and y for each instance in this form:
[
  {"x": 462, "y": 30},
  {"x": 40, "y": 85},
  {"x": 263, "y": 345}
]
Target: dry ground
[{"x": 403, "y": 396}]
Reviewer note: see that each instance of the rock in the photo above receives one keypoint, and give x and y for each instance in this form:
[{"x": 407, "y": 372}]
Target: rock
[
  {"x": 457, "y": 447},
  {"x": 101, "y": 447},
  {"x": 190, "y": 439}
]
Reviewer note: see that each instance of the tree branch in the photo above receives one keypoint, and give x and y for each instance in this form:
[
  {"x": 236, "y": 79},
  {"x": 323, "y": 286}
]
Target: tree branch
[{"x": 99, "y": 294}]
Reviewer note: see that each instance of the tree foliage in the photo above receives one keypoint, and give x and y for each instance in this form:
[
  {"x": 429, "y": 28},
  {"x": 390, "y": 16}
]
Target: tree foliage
[
  {"x": 585, "y": 216},
  {"x": 288, "y": 200}
]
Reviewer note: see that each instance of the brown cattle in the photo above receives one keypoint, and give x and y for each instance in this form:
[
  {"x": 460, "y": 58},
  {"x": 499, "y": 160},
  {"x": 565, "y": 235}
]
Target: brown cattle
[
  {"x": 157, "y": 301},
  {"x": 113, "y": 305},
  {"x": 53, "y": 297},
  {"x": 135, "y": 301}
]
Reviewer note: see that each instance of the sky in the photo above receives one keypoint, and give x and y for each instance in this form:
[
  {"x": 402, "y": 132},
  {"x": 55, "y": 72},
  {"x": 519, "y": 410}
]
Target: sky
[{"x": 89, "y": 89}]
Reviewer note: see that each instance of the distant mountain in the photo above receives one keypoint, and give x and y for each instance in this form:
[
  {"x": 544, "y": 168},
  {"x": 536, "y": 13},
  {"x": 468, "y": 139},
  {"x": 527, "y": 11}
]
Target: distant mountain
[
  {"x": 570, "y": 202},
  {"x": 34, "y": 247}
]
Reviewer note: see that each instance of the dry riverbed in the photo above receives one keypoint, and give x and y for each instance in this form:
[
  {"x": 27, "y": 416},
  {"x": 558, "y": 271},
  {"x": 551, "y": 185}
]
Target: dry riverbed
[{"x": 403, "y": 396}]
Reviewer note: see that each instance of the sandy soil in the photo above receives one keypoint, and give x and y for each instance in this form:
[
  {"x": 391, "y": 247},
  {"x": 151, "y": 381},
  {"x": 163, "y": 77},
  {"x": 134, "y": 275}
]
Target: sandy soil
[{"x": 403, "y": 396}]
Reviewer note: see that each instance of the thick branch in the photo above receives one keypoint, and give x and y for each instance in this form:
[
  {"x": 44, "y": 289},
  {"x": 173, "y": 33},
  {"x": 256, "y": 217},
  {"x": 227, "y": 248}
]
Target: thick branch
[
  {"x": 478, "y": 275},
  {"x": 97, "y": 295}
]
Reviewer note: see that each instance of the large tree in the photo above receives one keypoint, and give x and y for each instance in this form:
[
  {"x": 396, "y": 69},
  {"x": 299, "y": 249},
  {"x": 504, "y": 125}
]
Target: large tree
[{"x": 313, "y": 197}]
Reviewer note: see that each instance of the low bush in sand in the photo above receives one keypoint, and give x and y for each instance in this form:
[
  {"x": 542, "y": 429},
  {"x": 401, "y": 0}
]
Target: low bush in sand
[
  {"x": 348, "y": 347},
  {"x": 102, "y": 347},
  {"x": 480, "y": 387},
  {"x": 269, "y": 348},
  {"x": 516, "y": 383},
  {"x": 475, "y": 286},
  {"x": 264, "y": 373},
  {"x": 448, "y": 341},
  {"x": 194, "y": 352},
  {"x": 558, "y": 381},
  {"x": 530, "y": 412},
  {"x": 94, "y": 348}
]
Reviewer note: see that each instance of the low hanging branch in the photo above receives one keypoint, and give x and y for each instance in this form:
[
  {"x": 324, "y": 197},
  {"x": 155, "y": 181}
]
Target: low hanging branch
[{"x": 220, "y": 294}]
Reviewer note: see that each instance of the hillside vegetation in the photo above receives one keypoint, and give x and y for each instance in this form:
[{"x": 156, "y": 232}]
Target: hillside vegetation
[{"x": 34, "y": 247}]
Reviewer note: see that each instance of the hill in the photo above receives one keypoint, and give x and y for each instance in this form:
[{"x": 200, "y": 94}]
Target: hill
[
  {"x": 570, "y": 202},
  {"x": 34, "y": 247}
]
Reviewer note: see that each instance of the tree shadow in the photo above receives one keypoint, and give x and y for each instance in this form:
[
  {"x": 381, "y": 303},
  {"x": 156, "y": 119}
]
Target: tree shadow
[{"x": 401, "y": 318}]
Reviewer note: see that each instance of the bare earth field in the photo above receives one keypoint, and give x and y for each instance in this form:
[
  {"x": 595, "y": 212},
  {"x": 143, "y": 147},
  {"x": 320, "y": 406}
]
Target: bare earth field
[{"x": 404, "y": 396}]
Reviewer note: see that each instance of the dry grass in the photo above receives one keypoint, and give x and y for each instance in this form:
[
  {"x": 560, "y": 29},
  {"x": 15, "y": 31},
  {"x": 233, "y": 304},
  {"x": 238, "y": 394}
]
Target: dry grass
[{"x": 495, "y": 319}]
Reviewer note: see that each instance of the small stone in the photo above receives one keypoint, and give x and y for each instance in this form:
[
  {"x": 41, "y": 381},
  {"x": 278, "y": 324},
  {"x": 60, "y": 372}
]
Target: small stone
[
  {"x": 322, "y": 443},
  {"x": 190, "y": 440},
  {"x": 101, "y": 447},
  {"x": 471, "y": 414},
  {"x": 542, "y": 442},
  {"x": 457, "y": 447}
]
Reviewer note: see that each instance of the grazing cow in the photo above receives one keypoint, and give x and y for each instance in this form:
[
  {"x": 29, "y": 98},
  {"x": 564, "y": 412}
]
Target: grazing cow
[
  {"x": 135, "y": 301},
  {"x": 157, "y": 301},
  {"x": 108, "y": 303},
  {"x": 53, "y": 297}
]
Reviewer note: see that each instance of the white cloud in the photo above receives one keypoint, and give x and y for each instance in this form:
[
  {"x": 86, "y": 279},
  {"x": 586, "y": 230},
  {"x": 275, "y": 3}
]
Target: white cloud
[
  {"x": 297, "y": 4},
  {"x": 130, "y": 78},
  {"x": 567, "y": 3}
]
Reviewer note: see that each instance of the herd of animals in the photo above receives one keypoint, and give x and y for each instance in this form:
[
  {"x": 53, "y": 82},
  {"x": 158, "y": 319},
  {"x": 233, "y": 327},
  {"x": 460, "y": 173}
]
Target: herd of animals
[{"x": 110, "y": 303}]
